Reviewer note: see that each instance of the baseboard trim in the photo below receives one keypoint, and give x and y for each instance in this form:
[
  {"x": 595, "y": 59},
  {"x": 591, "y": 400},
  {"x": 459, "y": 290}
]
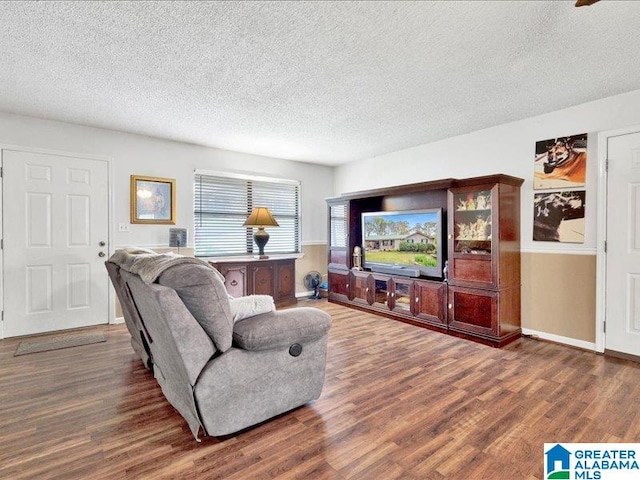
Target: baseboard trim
[
  {"x": 118, "y": 320},
  {"x": 564, "y": 251},
  {"x": 622, "y": 355},
  {"x": 573, "y": 342}
]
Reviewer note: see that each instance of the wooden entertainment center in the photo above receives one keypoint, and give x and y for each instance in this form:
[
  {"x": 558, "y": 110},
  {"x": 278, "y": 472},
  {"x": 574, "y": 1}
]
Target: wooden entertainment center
[{"x": 479, "y": 298}]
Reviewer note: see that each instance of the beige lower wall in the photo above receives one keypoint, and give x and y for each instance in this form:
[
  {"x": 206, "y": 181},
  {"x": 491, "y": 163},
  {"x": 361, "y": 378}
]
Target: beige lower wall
[
  {"x": 559, "y": 294},
  {"x": 314, "y": 258}
]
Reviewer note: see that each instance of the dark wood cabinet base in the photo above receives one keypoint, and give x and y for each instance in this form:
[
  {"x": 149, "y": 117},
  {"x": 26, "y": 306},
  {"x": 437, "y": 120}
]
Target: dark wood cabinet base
[
  {"x": 492, "y": 342},
  {"x": 275, "y": 277},
  {"x": 485, "y": 316}
]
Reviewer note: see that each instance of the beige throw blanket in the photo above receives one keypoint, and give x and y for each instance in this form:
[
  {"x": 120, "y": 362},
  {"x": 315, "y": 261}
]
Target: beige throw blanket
[{"x": 148, "y": 264}]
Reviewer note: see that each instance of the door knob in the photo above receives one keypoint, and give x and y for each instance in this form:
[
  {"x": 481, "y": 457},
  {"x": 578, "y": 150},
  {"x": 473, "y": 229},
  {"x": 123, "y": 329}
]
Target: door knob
[
  {"x": 102, "y": 244},
  {"x": 101, "y": 254}
]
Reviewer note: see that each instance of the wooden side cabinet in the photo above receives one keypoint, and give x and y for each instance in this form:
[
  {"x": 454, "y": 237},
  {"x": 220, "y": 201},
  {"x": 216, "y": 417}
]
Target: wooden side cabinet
[{"x": 275, "y": 277}]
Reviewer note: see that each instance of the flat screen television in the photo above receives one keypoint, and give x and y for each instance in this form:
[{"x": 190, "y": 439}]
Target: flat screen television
[{"x": 403, "y": 243}]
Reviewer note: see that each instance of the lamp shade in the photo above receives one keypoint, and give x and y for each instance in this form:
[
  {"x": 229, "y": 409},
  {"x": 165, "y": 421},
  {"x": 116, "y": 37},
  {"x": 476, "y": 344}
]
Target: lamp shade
[{"x": 261, "y": 217}]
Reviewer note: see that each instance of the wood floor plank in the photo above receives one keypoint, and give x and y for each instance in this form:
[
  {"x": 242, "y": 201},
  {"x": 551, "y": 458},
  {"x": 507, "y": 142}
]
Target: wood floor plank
[{"x": 399, "y": 402}]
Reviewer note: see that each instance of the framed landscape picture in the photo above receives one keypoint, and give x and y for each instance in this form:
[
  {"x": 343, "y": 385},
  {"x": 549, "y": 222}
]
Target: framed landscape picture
[
  {"x": 153, "y": 200},
  {"x": 560, "y": 162}
]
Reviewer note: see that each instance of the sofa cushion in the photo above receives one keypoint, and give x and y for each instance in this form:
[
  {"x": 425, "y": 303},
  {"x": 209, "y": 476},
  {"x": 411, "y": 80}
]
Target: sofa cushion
[
  {"x": 281, "y": 329},
  {"x": 202, "y": 291}
]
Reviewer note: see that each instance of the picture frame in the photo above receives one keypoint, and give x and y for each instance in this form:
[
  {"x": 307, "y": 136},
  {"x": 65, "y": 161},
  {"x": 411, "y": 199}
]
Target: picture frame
[
  {"x": 559, "y": 216},
  {"x": 560, "y": 162},
  {"x": 153, "y": 200}
]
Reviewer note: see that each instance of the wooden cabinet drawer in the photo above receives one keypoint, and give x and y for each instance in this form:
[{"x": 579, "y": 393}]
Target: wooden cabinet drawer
[{"x": 473, "y": 272}]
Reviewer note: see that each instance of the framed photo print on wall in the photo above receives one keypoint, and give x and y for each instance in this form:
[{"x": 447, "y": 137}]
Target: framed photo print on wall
[
  {"x": 560, "y": 162},
  {"x": 153, "y": 200},
  {"x": 559, "y": 216}
]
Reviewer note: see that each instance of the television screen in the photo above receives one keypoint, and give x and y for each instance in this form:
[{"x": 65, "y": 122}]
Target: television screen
[{"x": 404, "y": 243}]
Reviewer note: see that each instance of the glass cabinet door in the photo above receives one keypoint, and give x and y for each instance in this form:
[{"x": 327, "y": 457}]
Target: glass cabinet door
[
  {"x": 472, "y": 222},
  {"x": 402, "y": 295},
  {"x": 381, "y": 291}
]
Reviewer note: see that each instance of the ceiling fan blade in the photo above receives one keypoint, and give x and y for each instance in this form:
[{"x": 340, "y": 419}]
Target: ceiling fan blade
[{"x": 585, "y": 3}]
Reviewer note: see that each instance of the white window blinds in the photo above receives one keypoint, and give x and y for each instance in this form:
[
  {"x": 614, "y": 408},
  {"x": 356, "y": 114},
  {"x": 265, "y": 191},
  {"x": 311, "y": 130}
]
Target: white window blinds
[
  {"x": 338, "y": 217},
  {"x": 222, "y": 204}
]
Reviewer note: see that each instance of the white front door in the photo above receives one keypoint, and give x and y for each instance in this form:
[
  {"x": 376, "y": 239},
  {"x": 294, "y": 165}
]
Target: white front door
[
  {"x": 55, "y": 225},
  {"x": 623, "y": 245}
]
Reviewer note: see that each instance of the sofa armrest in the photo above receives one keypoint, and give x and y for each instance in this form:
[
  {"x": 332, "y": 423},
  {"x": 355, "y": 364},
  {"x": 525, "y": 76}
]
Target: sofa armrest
[{"x": 281, "y": 329}]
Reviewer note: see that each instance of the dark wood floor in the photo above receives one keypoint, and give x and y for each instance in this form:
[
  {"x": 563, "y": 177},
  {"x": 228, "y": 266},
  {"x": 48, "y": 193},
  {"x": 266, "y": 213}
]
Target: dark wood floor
[{"x": 398, "y": 402}]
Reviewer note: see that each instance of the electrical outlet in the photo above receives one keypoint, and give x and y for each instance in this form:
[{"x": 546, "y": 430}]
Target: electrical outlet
[{"x": 123, "y": 227}]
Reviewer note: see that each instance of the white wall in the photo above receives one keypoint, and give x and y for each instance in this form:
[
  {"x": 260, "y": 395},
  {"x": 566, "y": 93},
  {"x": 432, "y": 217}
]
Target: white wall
[
  {"x": 508, "y": 149},
  {"x": 136, "y": 154}
]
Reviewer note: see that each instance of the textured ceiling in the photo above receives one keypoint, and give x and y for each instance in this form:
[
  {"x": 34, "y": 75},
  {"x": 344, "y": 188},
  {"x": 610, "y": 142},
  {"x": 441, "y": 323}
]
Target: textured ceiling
[{"x": 326, "y": 82}]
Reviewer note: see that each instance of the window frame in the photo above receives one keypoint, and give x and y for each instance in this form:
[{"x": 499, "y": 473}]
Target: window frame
[{"x": 249, "y": 182}]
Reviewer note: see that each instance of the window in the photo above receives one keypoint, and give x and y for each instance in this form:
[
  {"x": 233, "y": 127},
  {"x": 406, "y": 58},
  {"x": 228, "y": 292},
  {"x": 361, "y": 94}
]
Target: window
[{"x": 222, "y": 203}]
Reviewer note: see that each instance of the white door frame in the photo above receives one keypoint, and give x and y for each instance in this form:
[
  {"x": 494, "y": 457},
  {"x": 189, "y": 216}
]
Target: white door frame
[
  {"x": 111, "y": 315},
  {"x": 601, "y": 257}
]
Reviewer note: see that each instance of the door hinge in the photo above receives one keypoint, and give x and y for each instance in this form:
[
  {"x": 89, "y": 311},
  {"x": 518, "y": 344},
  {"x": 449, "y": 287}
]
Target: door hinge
[
  {"x": 1, "y": 243},
  {"x": 605, "y": 246},
  {"x": 604, "y": 327},
  {"x": 606, "y": 165}
]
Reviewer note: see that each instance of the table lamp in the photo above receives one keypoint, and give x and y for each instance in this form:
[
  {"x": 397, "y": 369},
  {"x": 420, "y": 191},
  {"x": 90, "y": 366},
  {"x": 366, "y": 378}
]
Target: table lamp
[{"x": 261, "y": 217}]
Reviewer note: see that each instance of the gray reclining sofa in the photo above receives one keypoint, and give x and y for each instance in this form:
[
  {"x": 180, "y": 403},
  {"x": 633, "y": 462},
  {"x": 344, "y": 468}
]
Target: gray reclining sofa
[{"x": 221, "y": 375}]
